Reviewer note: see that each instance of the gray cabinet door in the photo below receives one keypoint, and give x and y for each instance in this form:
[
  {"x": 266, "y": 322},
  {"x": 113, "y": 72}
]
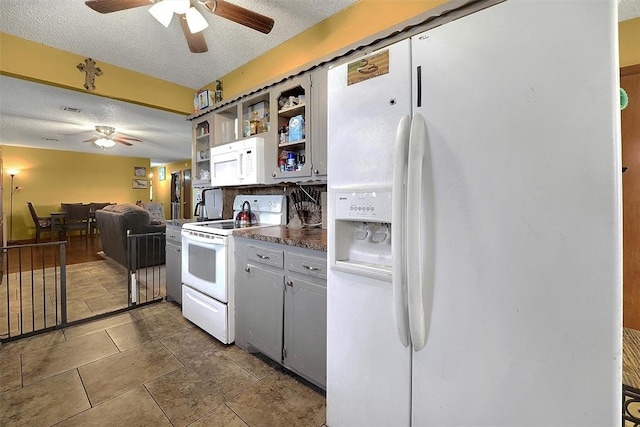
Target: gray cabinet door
[
  {"x": 264, "y": 298},
  {"x": 306, "y": 327},
  {"x": 174, "y": 272}
]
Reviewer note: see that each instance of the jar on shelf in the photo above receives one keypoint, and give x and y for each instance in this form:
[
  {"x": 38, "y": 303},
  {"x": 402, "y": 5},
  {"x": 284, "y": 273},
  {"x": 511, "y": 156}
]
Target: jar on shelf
[
  {"x": 291, "y": 162},
  {"x": 254, "y": 124}
]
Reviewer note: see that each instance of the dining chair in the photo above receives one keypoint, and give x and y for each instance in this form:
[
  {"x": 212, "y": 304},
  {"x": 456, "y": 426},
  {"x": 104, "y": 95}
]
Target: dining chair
[
  {"x": 42, "y": 223},
  {"x": 77, "y": 217},
  {"x": 93, "y": 207}
]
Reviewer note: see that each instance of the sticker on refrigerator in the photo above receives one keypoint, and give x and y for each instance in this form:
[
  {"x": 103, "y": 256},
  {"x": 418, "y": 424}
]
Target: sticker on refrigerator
[{"x": 367, "y": 68}]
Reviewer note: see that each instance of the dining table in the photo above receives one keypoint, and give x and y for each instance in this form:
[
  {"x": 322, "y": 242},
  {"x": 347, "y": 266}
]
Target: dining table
[{"x": 57, "y": 224}]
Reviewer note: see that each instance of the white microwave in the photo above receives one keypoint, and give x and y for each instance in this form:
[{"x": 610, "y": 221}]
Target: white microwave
[{"x": 238, "y": 163}]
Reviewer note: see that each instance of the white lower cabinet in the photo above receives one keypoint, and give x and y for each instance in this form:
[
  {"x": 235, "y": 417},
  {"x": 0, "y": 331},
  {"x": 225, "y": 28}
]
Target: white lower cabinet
[{"x": 281, "y": 305}]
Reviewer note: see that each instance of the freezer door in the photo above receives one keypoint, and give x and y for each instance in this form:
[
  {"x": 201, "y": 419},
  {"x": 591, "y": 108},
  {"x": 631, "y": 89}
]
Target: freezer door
[
  {"x": 521, "y": 118},
  {"x": 363, "y": 115},
  {"x": 368, "y": 368}
]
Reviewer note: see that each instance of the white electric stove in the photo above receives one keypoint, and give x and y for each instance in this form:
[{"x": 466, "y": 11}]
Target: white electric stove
[{"x": 208, "y": 291}]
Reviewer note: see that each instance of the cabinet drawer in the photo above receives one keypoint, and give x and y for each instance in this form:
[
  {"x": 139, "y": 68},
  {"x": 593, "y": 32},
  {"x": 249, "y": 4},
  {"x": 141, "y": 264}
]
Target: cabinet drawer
[
  {"x": 316, "y": 267},
  {"x": 173, "y": 236},
  {"x": 266, "y": 256}
]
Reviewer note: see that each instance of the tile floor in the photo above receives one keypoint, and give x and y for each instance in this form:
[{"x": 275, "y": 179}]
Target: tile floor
[
  {"x": 93, "y": 288},
  {"x": 147, "y": 367}
]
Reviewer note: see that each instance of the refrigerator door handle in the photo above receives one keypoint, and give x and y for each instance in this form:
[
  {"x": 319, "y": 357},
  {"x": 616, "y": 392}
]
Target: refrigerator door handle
[
  {"x": 421, "y": 239},
  {"x": 399, "y": 221}
]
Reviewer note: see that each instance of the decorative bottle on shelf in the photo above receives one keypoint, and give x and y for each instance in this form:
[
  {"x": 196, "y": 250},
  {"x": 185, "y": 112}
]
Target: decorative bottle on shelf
[{"x": 254, "y": 123}]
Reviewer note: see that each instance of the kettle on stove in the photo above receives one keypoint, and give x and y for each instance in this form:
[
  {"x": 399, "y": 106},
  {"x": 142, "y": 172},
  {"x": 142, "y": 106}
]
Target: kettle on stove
[{"x": 245, "y": 217}]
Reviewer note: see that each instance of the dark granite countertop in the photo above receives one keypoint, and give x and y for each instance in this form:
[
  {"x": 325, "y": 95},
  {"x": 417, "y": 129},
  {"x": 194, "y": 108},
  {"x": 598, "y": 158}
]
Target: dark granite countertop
[{"x": 309, "y": 238}]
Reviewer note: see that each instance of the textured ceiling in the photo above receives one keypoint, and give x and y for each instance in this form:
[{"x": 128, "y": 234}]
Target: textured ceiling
[
  {"x": 30, "y": 113},
  {"x": 628, "y": 9},
  {"x": 134, "y": 40}
]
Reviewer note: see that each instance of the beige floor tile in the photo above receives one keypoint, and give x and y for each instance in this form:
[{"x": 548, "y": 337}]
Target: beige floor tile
[
  {"x": 47, "y": 361},
  {"x": 78, "y": 310},
  {"x": 191, "y": 344},
  {"x": 188, "y": 393},
  {"x": 10, "y": 371},
  {"x": 98, "y": 325},
  {"x": 32, "y": 343},
  {"x": 134, "y": 408},
  {"x": 280, "y": 400},
  {"x": 133, "y": 334},
  {"x": 222, "y": 416},
  {"x": 258, "y": 365},
  {"x": 104, "y": 303},
  {"x": 115, "y": 375},
  {"x": 82, "y": 292},
  {"x": 44, "y": 403},
  {"x": 158, "y": 309}
]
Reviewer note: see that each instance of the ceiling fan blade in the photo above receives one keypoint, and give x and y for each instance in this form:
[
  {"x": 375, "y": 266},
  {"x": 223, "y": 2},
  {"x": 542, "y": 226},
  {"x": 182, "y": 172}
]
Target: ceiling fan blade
[
  {"x": 196, "y": 41},
  {"x": 95, "y": 138},
  {"x": 242, "y": 16},
  {"x": 129, "y": 139},
  {"x": 122, "y": 141},
  {"x": 108, "y": 6}
]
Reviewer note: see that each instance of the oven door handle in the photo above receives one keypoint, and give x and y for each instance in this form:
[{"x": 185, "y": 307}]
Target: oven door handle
[{"x": 215, "y": 240}]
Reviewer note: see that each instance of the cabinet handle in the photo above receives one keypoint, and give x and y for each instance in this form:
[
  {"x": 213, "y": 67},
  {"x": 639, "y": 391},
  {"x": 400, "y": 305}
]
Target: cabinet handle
[
  {"x": 273, "y": 174},
  {"x": 247, "y": 269},
  {"x": 289, "y": 283},
  {"x": 179, "y": 249},
  {"x": 262, "y": 256},
  {"x": 316, "y": 171},
  {"x": 310, "y": 268}
]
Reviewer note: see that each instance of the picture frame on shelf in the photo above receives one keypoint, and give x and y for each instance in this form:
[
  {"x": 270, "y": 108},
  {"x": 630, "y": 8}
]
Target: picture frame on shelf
[
  {"x": 138, "y": 184},
  {"x": 162, "y": 173},
  {"x": 139, "y": 171}
]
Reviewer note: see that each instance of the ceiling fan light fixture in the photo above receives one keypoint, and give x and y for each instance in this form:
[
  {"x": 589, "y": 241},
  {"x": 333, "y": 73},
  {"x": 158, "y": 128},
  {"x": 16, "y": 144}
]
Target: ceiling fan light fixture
[
  {"x": 179, "y": 6},
  {"x": 163, "y": 12},
  {"x": 104, "y": 142},
  {"x": 195, "y": 21}
]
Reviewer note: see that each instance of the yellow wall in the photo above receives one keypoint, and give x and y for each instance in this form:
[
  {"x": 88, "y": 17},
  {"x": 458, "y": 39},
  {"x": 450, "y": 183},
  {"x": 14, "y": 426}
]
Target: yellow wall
[
  {"x": 364, "y": 18},
  {"x": 629, "y": 42},
  {"x": 162, "y": 189},
  {"x": 51, "y": 177},
  {"x": 58, "y": 68}
]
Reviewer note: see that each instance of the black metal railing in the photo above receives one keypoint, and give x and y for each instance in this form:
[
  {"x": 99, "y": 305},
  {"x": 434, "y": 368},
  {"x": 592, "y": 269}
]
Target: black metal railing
[
  {"x": 146, "y": 278},
  {"x": 630, "y": 406},
  {"x": 33, "y": 286}
]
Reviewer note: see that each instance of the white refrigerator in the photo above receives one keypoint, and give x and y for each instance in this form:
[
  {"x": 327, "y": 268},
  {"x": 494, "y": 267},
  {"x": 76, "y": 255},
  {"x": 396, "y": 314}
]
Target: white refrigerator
[{"x": 475, "y": 223}]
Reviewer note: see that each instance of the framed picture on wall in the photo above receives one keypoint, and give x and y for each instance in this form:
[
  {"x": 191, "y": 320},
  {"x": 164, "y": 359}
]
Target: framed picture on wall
[
  {"x": 140, "y": 183},
  {"x": 162, "y": 174},
  {"x": 139, "y": 171}
]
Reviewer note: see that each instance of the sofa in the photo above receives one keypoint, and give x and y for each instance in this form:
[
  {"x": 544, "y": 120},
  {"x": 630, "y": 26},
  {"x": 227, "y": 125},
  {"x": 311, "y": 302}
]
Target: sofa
[{"x": 114, "y": 221}]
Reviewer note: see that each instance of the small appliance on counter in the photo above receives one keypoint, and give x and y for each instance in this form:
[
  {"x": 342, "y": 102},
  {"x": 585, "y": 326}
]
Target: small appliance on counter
[{"x": 209, "y": 205}]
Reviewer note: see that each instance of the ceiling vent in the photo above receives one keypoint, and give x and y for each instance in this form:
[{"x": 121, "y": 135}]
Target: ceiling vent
[{"x": 71, "y": 109}]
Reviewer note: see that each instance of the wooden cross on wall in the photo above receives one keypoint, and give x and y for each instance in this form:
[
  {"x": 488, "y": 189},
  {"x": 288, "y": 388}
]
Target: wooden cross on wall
[{"x": 89, "y": 67}]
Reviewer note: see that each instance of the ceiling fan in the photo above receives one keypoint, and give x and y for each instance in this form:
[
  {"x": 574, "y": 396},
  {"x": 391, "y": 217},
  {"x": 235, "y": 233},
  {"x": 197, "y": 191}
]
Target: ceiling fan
[
  {"x": 105, "y": 139},
  {"x": 191, "y": 20}
]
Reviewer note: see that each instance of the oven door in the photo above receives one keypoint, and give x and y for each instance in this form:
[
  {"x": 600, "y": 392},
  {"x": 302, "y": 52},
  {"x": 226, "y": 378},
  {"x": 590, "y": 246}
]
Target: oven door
[{"x": 205, "y": 264}]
